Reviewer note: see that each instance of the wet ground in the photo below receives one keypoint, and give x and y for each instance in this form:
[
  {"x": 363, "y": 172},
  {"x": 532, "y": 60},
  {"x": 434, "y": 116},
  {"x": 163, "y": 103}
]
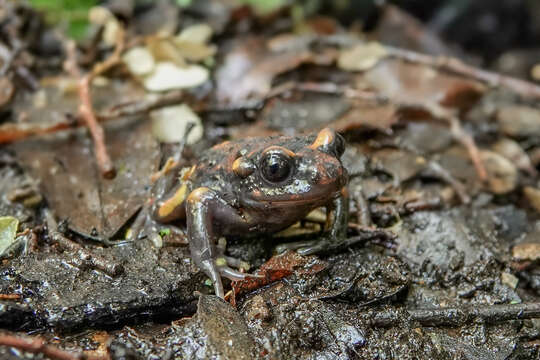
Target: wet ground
[{"x": 443, "y": 167}]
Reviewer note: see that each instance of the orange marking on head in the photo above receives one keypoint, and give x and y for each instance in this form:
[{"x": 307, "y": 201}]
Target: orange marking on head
[
  {"x": 345, "y": 191},
  {"x": 243, "y": 167},
  {"x": 325, "y": 137}
]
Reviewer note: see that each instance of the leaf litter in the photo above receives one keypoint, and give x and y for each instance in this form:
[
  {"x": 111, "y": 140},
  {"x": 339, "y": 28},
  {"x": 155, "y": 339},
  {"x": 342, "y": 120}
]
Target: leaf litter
[{"x": 458, "y": 188}]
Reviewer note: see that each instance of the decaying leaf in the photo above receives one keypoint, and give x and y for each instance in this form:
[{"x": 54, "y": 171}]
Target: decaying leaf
[
  {"x": 277, "y": 268},
  {"x": 368, "y": 117},
  {"x": 526, "y": 251},
  {"x": 169, "y": 124},
  {"x": 362, "y": 57},
  {"x": 139, "y": 61},
  {"x": 401, "y": 165},
  {"x": 168, "y": 76},
  {"x": 249, "y": 68},
  {"x": 515, "y": 153},
  {"x": 519, "y": 121},
  {"x": 164, "y": 50},
  {"x": 416, "y": 84},
  {"x": 533, "y": 196},
  {"x": 502, "y": 174},
  {"x": 198, "y": 33},
  {"x": 8, "y": 230},
  {"x": 6, "y": 90},
  {"x": 72, "y": 186}
]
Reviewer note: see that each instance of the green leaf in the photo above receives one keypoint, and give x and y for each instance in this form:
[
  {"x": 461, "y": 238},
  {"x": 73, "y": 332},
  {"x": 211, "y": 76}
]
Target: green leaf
[
  {"x": 8, "y": 231},
  {"x": 264, "y": 6},
  {"x": 165, "y": 231},
  {"x": 184, "y": 3},
  {"x": 74, "y": 13}
]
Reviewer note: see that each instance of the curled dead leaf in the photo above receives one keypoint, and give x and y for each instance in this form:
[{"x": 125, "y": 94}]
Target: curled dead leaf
[
  {"x": 169, "y": 124},
  {"x": 526, "y": 251},
  {"x": 519, "y": 121},
  {"x": 198, "y": 33},
  {"x": 168, "y": 76},
  {"x": 502, "y": 173},
  {"x": 533, "y": 197},
  {"x": 513, "y": 152},
  {"x": 139, "y": 61},
  {"x": 362, "y": 57},
  {"x": 6, "y": 91}
]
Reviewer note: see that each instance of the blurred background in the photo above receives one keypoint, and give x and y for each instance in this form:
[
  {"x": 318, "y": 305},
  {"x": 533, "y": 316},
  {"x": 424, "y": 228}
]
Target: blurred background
[{"x": 502, "y": 35}]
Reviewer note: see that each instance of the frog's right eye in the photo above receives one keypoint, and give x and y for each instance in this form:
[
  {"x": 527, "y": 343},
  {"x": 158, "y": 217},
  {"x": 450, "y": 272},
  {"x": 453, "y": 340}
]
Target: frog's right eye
[{"x": 276, "y": 166}]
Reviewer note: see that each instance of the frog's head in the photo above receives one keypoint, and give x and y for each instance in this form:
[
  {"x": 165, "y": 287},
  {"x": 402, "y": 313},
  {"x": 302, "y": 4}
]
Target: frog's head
[{"x": 291, "y": 172}]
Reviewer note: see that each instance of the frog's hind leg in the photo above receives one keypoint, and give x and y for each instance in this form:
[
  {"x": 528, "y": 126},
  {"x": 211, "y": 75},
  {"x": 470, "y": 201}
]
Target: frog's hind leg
[{"x": 335, "y": 238}]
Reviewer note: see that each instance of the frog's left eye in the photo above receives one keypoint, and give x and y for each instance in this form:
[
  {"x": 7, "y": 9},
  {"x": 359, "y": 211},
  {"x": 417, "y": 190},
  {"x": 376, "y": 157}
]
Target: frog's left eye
[{"x": 276, "y": 166}]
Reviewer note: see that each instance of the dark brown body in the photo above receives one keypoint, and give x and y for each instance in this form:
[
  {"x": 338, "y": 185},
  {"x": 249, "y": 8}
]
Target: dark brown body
[{"x": 256, "y": 185}]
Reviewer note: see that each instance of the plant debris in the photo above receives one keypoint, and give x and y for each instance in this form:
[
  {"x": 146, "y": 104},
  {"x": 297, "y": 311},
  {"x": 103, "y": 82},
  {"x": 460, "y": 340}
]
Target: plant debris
[{"x": 443, "y": 247}]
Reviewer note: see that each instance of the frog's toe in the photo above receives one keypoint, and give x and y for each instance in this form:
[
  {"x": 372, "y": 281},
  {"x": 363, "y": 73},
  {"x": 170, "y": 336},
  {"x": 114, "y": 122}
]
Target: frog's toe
[
  {"x": 223, "y": 265},
  {"x": 301, "y": 247},
  {"x": 232, "y": 274},
  {"x": 312, "y": 249},
  {"x": 212, "y": 270},
  {"x": 237, "y": 263}
]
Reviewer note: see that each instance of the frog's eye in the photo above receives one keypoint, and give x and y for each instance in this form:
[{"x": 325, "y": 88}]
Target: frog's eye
[{"x": 276, "y": 166}]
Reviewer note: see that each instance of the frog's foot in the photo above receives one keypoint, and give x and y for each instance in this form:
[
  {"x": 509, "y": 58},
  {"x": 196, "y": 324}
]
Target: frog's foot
[
  {"x": 145, "y": 226},
  {"x": 221, "y": 267}
]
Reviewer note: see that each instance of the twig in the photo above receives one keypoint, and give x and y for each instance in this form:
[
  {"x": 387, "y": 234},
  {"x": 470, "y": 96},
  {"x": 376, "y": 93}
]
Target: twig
[
  {"x": 14, "y": 132},
  {"x": 141, "y": 106},
  {"x": 38, "y": 346},
  {"x": 86, "y": 110},
  {"x": 454, "y": 316},
  {"x": 459, "y": 135},
  {"x": 10, "y": 297},
  {"x": 84, "y": 257},
  {"x": 457, "y": 66}
]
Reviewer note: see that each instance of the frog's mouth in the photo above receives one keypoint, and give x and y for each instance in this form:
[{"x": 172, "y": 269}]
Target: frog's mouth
[{"x": 315, "y": 198}]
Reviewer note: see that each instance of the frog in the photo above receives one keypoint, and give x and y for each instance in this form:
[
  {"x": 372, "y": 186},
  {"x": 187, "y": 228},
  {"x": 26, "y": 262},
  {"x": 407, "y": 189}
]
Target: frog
[{"x": 253, "y": 186}]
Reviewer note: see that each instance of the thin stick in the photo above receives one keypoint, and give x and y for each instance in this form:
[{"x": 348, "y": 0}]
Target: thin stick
[
  {"x": 458, "y": 67},
  {"x": 15, "y": 132},
  {"x": 83, "y": 257},
  {"x": 86, "y": 110},
  {"x": 10, "y": 297},
  {"x": 142, "y": 106},
  {"x": 459, "y": 135},
  {"x": 38, "y": 346},
  {"x": 454, "y": 316}
]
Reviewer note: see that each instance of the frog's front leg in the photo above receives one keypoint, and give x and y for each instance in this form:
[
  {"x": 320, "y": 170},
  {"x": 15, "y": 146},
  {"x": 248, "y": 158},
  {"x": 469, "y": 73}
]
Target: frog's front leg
[
  {"x": 337, "y": 213},
  {"x": 205, "y": 210}
]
